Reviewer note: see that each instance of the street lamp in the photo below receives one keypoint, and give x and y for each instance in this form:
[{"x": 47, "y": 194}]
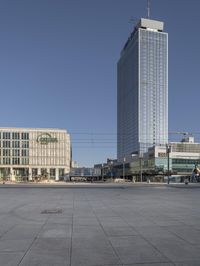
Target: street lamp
[
  {"x": 102, "y": 172},
  {"x": 168, "y": 150},
  {"x": 140, "y": 157},
  {"x": 111, "y": 169},
  {"x": 124, "y": 160},
  {"x": 134, "y": 155}
]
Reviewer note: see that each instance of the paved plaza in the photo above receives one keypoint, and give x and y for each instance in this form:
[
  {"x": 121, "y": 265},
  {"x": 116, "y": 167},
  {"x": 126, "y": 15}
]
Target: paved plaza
[{"x": 100, "y": 225}]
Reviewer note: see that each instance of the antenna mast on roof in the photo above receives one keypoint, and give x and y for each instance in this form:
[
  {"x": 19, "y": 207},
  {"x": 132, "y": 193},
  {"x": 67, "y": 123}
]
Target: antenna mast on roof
[{"x": 148, "y": 9}]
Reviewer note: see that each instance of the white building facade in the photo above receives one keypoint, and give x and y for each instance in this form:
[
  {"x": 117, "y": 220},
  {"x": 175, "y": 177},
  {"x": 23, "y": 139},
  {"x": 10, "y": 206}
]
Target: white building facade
[
  {"x": 33, "y": 152},
  {"x": 142, "y": 84}
]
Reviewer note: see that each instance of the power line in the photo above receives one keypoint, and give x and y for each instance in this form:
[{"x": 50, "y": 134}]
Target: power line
[
  {"x": 95, "y": 147},
  {"x": 112, "y": 133}
]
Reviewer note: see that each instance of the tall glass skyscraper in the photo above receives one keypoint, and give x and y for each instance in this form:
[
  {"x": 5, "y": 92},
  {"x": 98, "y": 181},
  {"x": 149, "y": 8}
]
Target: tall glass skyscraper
[{"x": 142, "y": 93}]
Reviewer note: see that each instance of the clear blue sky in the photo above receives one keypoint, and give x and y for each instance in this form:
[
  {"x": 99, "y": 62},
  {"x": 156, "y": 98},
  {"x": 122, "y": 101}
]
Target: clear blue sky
[{"x": 58, "y": 66}]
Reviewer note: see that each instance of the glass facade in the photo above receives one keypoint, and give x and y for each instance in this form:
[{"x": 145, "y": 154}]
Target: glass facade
[
  {"x": 153, "y": 89},
  {"x": 127, "y": 100},
  {"x": 184, "y": 165},
  {"x": 142, "y": 92}
]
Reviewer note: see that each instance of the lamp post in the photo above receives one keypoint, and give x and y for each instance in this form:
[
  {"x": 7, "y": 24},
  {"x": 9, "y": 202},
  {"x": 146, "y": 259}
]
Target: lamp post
[
  {"x": 102, "y": 172},
  {"x": 111, "y": 169},
  {"x": 134, "y": 155},
  {"x": 124, "y": 160},
  {"x": 168, "y": 150},
  {"x": 140, "y": 157}
]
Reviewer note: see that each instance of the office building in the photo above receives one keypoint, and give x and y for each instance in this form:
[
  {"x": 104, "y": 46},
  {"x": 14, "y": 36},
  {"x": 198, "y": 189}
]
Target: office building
[
  {"x": 142, "y": 96},
  {"x": 30, "y": 153}
]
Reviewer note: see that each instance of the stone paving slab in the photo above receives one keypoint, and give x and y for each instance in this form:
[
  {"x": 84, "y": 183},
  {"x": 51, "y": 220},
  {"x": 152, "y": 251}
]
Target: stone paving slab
[
  {"x": 15, "y": 245},
  {"x": 94, "y": 256},
  {"x": 22, "y": 232},
  {"x": 134, "y": 249},
  {"x": 177, "y": 250},
  {"x": 111, "y": 225},
  {"x": 187, "y": 233},
  {"x": 56, "y": 231},
  {"x": 189, "y": 263},
  {"x": 119, "y": 231},
  {"x": 150, "y": 264},
  {"x": 44, "y": 259},
  {"x": 10, "y": 258}
]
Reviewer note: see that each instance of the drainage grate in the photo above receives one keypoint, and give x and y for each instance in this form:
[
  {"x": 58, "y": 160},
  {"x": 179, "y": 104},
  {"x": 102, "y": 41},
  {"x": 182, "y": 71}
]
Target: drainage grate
[{"x": 52, "y": 211}]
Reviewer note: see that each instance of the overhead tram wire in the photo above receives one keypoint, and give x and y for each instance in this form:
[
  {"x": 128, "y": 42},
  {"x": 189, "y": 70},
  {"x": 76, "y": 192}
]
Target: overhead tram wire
[
  {"x": 115, "y": 134},
  {"x": 98, "y": 138}
]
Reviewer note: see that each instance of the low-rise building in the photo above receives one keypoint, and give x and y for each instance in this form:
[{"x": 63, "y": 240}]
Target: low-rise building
[
  {"x": 175, "y": 158},
  {"x": 106, "y": 170}
]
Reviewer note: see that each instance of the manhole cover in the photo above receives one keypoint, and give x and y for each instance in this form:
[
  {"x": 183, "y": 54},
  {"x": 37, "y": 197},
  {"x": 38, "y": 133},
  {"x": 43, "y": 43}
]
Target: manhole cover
[{"x": 50, "y": 211}]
